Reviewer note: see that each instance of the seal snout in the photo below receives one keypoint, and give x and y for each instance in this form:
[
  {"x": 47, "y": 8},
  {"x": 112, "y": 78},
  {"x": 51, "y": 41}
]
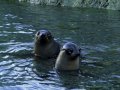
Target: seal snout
[
  {"x": 44, "y": 37},
  {"x": 73, "y": 57},
  {"x": 71, "y": 50}
]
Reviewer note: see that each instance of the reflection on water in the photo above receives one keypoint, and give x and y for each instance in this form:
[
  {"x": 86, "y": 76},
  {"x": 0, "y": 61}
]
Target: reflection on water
[{"x": 95, "y": 31}]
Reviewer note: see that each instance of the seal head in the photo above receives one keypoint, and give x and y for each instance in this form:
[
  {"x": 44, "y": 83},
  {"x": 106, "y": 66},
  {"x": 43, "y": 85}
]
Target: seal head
[
  {"x": 43, "y": 37},
  {"x": 68, "y": 58},
  {"x": 45, "y": 45}
]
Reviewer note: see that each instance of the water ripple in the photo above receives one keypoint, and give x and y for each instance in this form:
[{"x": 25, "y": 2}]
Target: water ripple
[
  {"x": 10, "y": 16},
  {"x": 94, "y": 30},
  {"x": 19, "y": 32},
  {"x": 22, "y": 27}
]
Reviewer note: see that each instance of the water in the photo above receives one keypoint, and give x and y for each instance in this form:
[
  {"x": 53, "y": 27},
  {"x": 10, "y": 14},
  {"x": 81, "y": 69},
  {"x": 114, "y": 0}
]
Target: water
[{"x": 96, "y": 31}]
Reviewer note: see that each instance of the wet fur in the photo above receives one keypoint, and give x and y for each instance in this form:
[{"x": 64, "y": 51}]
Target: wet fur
[
  {"x": 63, "y": 62},
  {"x": 46, "y": 52}
]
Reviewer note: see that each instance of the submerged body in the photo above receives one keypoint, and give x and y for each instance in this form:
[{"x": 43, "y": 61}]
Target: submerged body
[
  {"x": 45, "y": 45},
  {"x": 68, "y": 58}
]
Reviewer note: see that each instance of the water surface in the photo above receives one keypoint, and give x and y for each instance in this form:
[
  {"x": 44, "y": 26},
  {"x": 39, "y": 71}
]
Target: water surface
[{"x": 96, "y": 31}]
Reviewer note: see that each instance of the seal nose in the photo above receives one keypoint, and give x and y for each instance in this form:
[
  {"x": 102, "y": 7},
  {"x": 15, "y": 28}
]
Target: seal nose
[
  {"x": 76, "y": 55},
  {"x": 42, "y": 36},
  {"x": 43, "y": 40},
  {"x": 73, "y": 57}
]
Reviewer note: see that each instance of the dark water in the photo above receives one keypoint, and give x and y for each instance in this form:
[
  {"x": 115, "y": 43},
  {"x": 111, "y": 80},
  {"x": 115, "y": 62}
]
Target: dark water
[{"x": 96, "y": 31}]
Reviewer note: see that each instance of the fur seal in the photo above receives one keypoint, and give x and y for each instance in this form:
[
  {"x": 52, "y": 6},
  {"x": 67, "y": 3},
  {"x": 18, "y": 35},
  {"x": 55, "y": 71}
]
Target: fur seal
[
  {"x": 45, "y": 46},
  {"x": 68, "y": 58}
]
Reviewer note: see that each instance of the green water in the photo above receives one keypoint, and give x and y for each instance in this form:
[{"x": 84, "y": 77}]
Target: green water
[{"x": 96, "y": 31}]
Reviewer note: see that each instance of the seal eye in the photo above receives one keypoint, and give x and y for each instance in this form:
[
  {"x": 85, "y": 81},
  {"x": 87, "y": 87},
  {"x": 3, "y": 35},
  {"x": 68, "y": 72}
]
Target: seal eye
[
  {"x": 69, "y": 51},
  {"x": 49, "y": 36},
  {"x": 38, "y": 33},
  {"x": 79, "y": 50}
]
